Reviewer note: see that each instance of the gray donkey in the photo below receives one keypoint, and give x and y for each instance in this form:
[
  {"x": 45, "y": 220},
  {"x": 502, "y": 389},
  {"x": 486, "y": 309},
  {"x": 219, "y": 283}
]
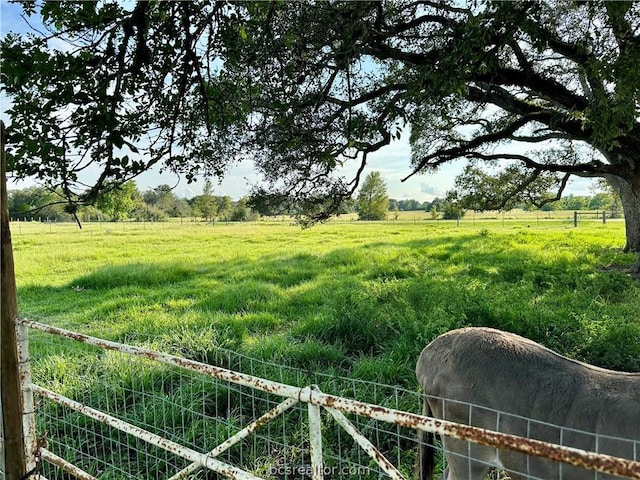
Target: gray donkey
[{"x": 498, "y": 381}]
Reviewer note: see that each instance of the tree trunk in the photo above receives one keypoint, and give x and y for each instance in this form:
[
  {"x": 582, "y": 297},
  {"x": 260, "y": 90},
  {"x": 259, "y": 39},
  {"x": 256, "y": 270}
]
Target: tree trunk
[
  {"x": 15, "y": 456},
  {"x": 629, "y": 191}
]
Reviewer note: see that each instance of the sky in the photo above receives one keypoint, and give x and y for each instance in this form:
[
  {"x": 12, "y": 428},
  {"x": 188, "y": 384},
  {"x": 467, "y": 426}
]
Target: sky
[{"x": 392, "y": 161}]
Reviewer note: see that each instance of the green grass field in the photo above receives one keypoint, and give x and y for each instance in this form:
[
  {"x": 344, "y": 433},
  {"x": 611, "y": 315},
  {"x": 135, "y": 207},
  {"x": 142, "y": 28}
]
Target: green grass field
[
  {"x": 337, "y": 294},
  {"x": 348, "y": 294},
  {"x": 351, "y": 299}
]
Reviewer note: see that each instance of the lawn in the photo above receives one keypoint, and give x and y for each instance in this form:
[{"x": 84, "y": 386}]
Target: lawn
[{"x": 347, "y": 299}]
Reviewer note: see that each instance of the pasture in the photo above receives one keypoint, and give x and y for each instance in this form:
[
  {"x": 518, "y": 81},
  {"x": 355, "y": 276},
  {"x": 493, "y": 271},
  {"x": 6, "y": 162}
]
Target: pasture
[
  {"x": 361, "y": 298},
  {"x": 347, "y": 299}
]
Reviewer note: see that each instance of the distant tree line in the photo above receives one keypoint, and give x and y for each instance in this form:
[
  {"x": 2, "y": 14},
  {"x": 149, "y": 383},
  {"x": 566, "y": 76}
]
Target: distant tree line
[
  {"x": 373, "y": 202},
  {"x": 449, "y": 208},
  {"x": 599, "y": 201},
  {"x": 128, "y": 203},
  {"x": 161, "y": 203},
  {"x": 608, "y": 201}
]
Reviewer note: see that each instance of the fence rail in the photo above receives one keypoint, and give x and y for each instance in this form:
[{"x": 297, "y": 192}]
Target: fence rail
[{"x": 336, "y": 406}]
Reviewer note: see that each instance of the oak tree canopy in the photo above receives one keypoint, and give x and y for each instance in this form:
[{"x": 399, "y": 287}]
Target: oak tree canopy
[{"x": 530, "y": 93}]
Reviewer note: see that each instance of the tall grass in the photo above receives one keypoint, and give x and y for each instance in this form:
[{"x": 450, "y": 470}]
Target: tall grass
[{"x": 357, "y": 300}]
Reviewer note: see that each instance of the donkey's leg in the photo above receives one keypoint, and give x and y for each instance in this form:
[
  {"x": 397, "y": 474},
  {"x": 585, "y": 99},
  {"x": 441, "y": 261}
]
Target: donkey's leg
[
  {"x": 444, "y": 475},
  {"x": 467, "y": 462}
]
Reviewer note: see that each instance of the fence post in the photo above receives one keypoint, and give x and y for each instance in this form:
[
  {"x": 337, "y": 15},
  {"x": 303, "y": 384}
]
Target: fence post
[
  {"x": 575, "y": 219},
  {"x": 28, "y": 407},
  {"x": 604, "y": 217},
  {"x": 315, "y": 439},
  {"x": 10, "y": 395}
]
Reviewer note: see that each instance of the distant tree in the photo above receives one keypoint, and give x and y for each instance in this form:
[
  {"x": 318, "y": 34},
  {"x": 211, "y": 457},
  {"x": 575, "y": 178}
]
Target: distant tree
[
  {"x": 206, "y": 202},
  {"x": 90, "y": 213},
  {"x": 162, "y": 199},
  {"x": 373, "y": 201},
  {"x": 575, "y": 202},
  {"x": 550, "y": 207},
  {"x": 154, "y": 214},
  {"x": 606, "y": 198},
  {"x": 349, "y": 205},
  {"x": 437, "y": 203},
  {"x": 241, "y": 211},
  {"x": 181, "y": 208},
  {"x": 395, "y": 211},
  {"x": 37, "y": 203},
  {"x": 452, "y": 211},
  {"x": 601, "y": 201},
  {"x": 452, "y": 207},
  {"x": 120, "y": 202},
  {"x": 24, "y": 202},
  {"x": 195, "y": 211},
  {"x": 225, "y": 207},
  {"x": 409, "y": 205}
]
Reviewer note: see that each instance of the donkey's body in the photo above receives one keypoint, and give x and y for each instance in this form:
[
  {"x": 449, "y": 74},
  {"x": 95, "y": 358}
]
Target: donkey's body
[{"x": 502, "y": 372}]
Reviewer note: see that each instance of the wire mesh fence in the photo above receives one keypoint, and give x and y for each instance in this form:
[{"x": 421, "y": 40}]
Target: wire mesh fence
[{"x": 201, "y": 412}]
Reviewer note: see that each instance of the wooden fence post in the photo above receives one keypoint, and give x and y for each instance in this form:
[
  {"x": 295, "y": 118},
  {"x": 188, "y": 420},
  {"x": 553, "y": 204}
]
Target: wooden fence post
[{"x": 11, "y": 396}]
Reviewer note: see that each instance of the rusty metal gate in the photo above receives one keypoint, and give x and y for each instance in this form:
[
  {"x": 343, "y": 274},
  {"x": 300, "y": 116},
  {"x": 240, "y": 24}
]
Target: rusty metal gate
[{"x": 316, "y": 402}]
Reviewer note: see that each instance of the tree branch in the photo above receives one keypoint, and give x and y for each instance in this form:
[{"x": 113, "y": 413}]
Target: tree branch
[
  {"x": 577, "y": 52},
  {"x": 372, "y": 95},
  {"x": 563, "y": 184},
  {"x": 592, "y": 169},
  {"x": 554, "y": 119},
  {"x": 444, "y": 155},
  {"x": 546, "y": 88}
]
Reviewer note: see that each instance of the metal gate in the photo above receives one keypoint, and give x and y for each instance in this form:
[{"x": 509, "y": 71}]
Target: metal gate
[{"x": 316, "y": 402}]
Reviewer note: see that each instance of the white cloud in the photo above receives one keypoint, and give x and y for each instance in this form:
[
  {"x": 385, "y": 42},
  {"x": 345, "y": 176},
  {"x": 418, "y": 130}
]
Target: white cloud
[{"x": 430, "y": 189}]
